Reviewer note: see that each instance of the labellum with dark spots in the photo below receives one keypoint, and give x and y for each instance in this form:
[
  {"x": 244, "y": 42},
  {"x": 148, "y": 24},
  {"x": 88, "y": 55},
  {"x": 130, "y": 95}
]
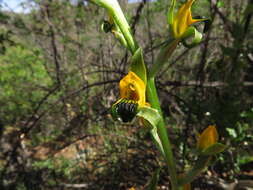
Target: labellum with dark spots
[{"x": 125, "y": 110}]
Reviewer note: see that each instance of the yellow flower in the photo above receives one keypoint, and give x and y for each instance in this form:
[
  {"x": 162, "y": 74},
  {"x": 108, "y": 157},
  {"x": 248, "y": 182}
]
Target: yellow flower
[
  {"x": 132, "y": 95},
  {"x": 208, "y": 137},
  {"x": 133, "y": 88},
  {"x": 183, "y": 19}
]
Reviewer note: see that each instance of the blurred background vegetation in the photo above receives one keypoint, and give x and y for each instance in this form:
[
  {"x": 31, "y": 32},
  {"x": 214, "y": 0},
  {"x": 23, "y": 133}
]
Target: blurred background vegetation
[{"x": 59, "y": 76}]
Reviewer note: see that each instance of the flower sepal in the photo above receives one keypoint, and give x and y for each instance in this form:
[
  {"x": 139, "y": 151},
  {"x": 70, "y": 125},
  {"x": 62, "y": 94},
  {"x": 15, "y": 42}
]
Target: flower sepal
[
  {"x": 110, "y": 26},
  {"x": 214, "y": 149},
  {"x": 193, "y": 35},
  {"x": 120, "y": 22}
]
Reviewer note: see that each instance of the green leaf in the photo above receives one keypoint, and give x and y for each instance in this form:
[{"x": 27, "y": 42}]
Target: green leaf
[
  {"x": 153, "y": 117},
  {"x": 220, "y": 4},
  {"x": 214, "y": 149},
  {"x": 154, "y": 180},
  {"x": 138, "y": 65},
  {"x": 231, "y": 132},
  {"x": 149, "y": 114},
  {"x": 171, "y": 12},
  {"x": 247, "y": 114},
  {"x": 245, "y": 159},
  {"x": 200, "y": 165}
]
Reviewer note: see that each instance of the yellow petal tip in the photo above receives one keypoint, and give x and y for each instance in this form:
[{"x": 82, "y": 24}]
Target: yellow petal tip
[{"x": 208, "y": 137}]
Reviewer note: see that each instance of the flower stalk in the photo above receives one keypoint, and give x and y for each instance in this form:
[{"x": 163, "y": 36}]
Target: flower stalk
[{"x": 162, "y": 133}]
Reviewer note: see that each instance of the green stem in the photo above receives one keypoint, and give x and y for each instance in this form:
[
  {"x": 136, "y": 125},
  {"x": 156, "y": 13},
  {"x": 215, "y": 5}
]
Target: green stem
[
  {"x": 201, "y": 165},
  {"x": 162, "y": 133},
  {"x": 115, "y": 11}
]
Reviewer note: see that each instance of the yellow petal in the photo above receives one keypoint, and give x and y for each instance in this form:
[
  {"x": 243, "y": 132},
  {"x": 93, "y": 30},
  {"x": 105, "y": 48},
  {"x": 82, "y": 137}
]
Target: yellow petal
[
  {"x": 208, "y": 137},
  {"x": 183, "y": 19},
  {"x": 133, "y": 88}
]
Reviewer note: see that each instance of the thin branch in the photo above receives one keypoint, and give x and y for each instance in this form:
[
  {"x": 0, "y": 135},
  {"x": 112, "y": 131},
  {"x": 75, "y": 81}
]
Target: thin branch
[
  {"x": 137, "y": 16},
  {"x": 56, "y": 55},
  {"x": 205, "y": 84}
]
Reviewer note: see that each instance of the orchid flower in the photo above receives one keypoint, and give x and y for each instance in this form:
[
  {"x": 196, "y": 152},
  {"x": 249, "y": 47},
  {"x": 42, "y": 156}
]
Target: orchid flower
[
  {"x": 132, "y": 96},
  {"x": 181, "y": 22}
]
